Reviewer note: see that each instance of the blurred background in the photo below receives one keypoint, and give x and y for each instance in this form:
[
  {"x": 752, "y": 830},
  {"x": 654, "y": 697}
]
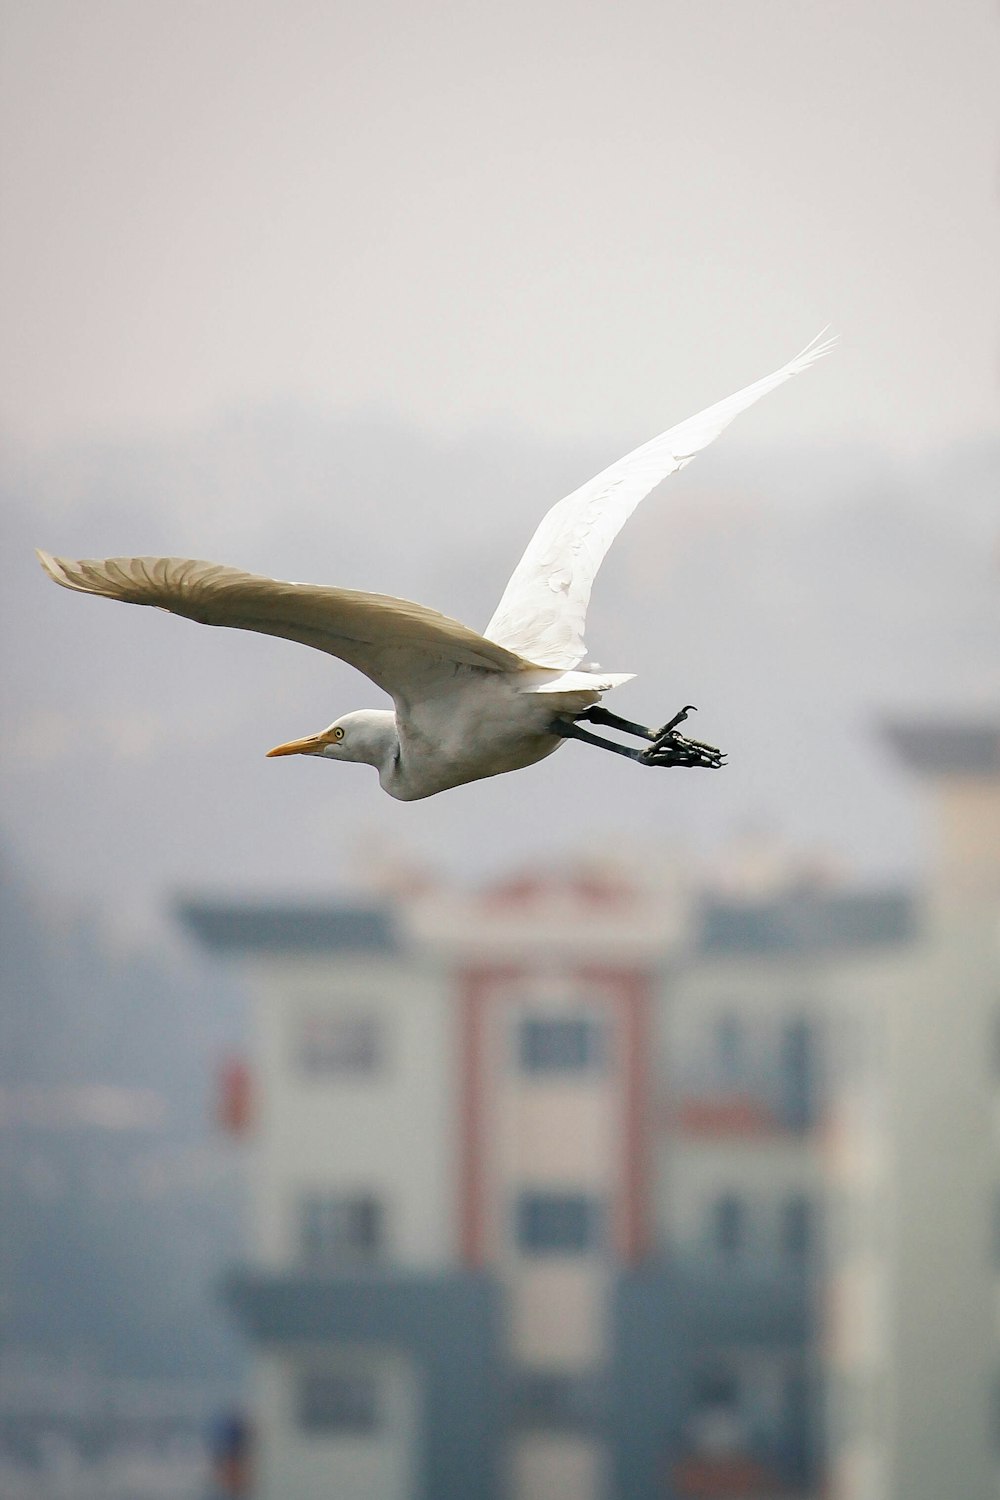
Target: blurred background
[{"x": 585, "y": 1133}]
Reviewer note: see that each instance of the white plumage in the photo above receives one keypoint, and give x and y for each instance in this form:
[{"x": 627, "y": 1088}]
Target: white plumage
[{"x": 466, "y": 705}]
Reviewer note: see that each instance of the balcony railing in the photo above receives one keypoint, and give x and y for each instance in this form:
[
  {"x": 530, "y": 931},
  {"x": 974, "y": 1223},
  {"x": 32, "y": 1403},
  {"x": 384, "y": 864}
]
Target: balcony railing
[
  {"x": 721, "y": 1112},
  {"x": 762, "y": 1470}
]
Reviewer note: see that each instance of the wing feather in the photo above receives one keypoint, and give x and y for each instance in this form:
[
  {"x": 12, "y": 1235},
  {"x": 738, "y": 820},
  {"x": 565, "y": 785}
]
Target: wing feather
[
  {"x": 543, "y": 610},
  {"x": 393, "y": 641}
]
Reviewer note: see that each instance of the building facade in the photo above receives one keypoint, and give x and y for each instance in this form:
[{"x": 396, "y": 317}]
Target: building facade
[
  {"x": 375, "y": 1346},
  {"x": 536, "y": 1188}
]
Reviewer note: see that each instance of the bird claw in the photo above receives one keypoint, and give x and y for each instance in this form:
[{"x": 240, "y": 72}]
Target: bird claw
[
  {"x": 671, "y": 724},
  {"x": 673, "y": 749}
]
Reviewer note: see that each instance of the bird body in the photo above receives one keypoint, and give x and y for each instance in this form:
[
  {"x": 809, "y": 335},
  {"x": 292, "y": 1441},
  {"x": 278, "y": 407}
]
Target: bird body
[
  {"x": 490, "y": 727},
  {"x": 466, "y": 706},
  {"x": 486, "y": 727}
]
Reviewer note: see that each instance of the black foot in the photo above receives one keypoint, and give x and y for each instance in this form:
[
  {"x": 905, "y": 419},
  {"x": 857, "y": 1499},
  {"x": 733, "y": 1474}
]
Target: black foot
[{"x": 673, "y": 749}]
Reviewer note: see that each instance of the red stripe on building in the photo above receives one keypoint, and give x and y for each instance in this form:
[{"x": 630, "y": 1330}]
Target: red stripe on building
[
  {"x": 631, "y": 989},
  {"x": 637, "y": 1043},
  {"x": 471, "y": 998}
]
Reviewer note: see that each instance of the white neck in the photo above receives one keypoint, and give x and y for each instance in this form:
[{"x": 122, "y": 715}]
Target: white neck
[{"x": 372, "y": 739}]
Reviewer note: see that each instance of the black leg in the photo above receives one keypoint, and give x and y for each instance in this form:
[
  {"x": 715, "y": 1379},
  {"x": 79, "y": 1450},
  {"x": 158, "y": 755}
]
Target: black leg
[
  {"x": 567, "y": 729},
  {"x": 600, "y": 715},
  {"x": 668, "y": 749}
]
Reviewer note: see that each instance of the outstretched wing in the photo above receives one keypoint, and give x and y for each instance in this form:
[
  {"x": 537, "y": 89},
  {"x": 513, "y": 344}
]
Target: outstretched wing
[
  {"x": 544, "y": 606},
  {"x": 400, "y": 645}
]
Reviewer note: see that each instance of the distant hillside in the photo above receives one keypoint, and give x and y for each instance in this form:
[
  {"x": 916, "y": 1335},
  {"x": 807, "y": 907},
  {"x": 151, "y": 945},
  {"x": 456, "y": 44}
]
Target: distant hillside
[{"x": 120, "y": 1205}]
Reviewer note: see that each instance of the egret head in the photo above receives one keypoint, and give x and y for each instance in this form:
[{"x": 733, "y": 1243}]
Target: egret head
[{"x": 368, "y": 736}]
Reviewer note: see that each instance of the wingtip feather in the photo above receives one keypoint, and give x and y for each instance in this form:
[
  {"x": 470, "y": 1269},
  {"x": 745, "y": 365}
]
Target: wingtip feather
[
  {"x": 816, "y": 349},
  {"x": 83, "y": 577},
  {"x": 55, "y": 567}
]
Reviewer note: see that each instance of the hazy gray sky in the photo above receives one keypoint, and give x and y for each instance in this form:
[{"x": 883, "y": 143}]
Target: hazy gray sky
[{"x": 574, "y": 217}]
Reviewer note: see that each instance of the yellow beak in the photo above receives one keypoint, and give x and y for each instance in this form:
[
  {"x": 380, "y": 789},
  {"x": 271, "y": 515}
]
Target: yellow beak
[{"x": 311, "y": 745}]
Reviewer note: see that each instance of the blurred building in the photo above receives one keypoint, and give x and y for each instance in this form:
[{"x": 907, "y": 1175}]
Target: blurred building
[
  {"x": 536, "y": 1183},
  {"x": 913, "y": 1164},
  {"x": 731, "y": 1302}
]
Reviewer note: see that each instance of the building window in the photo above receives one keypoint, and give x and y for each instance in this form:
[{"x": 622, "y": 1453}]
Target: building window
[
  {"x": 715, "y": 1388},
  {"x": 341, "y": 1230},
  {"x": 560, "y": 1044},
  {"x": 336, "y": 1042},
  {"x": 557, "y": 1223},
  {"x": 337, "y": 1401},
  {"x": 729, "y": 1225},
  {"x": 730, "y": 1050},
  {"x": 796, "y": 1226},
  {"x": 557, "y": 1401},
  {"x": 715, "y": 1424},
  {"x": 798, "y": 1074},
  {"x": 796, "y": 1422}
]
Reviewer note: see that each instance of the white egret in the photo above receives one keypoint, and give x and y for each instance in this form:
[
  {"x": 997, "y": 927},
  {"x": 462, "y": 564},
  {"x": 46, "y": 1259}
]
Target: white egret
[{"x": 466, "y": 706}]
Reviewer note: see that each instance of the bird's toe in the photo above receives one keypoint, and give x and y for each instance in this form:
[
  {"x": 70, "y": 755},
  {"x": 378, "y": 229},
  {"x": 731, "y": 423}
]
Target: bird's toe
[{"x": 673, "y": 749}]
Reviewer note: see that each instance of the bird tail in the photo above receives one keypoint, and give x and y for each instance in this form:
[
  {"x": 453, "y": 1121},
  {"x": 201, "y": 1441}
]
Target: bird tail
[{"x": 546, "y": 680}]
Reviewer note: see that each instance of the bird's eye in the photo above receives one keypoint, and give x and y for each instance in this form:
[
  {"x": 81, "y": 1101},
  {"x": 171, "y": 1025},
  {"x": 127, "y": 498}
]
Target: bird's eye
[{"x": 338, "y": 734}]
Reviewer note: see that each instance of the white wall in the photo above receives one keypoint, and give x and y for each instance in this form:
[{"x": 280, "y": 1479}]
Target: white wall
[
  {"x": 556, "y": 1467},
  {"x": 912, "y": 1345},
  {"x": 393, "y": 1133}
]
